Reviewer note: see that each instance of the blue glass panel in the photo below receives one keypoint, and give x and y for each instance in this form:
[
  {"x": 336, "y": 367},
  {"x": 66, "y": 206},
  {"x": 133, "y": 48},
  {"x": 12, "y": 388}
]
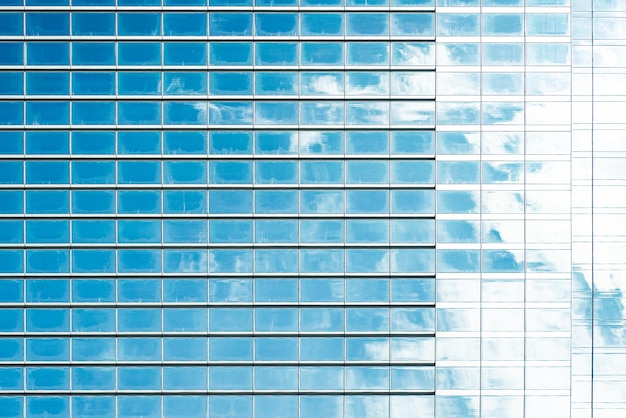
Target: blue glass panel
[
  {"x": 185, "y": 113},
  {"x": 230, "y": 172},
  {"x": 11, "y": 53},
  {"x": 185, "y": 290},
  {"x": 93, "y": 261},
  {"x": 11, "y": 231},
  {"x": 83, "y": 406},
  {"x": 186, "y": 378},
  {"x": 139, "y": 319},
  {"x": 11, "y": 202},
  {"x": 184, "y": 201},
  {"x": 93, "y": 113},
  {"x": 230, "y": 378},
  {"x": 47, "y": 201},
  {"x": 143, "y": 349},
  {"x": 230, "y": 83},
  {"x": 222, "y": 53},
  {"x": 275, "y": 406},
  {"x": 184, "y": 142},
  {"x": 139, "y": 83},
  {"x": 93, "y": 172},
  {"x": 93, "y": 378},
  {"x": 93, "y": 53},
  {"x": 230, "y": 24},
  {"x": 92, "y": 231},
  {"x": 88, "y": 201},
  {"x": 47, "y": 83},
  {"x": 11, "y": 24},
  {"x": 47, "y": 24},
  {"x": 187, "y": 83},
  {"x": 139, "y": 24},
  {"x": 185, "y": 53},
  {"x": 12, "y": 349},
  {"x": 276, "y": 201},
  {"x": 11, "y": 291},
  {"x": 360, "y": 142},
  {"x": 93, "y": 349},
  {"x": 404, "y": 290},
  {"x": 140, "y": 142},
  {"x": 47, "y": 142},
  {"x": 147, "y": 261},
  {"x": 93, "y": 24},
  {"x": 11, "y": 142},
  {"x": 47, "y": 53},
  {"x": 47, "y": 231},
  {"x": 12, "y": 261},
  {"x": 276, "y": 83},
  {"x": 185, "y": 320},
  {"x": 230, "y": 290},
  {"x": 138, "y": 231},
  {"x": 93, "y": 320},
  {"x": 230, "y": 143},
  {"x": 328, "y": 24},
  {"x": 232, "y": 348},
  {"x": 47, "y": 172},
  {"x": 11, "y": 113},
  {"x": 230, "y": 113},
  {"x": 276, "y": 172},
  {"x": 185, "y": 2},
  {"x": 138, "y": 2},
  {"x": 276, "y": 349},
  {"x": 139, "y": 53},
  {"x": 45, "y": 407},
  {"x": 93, "y": 290},
  {"x": 185, "y": 24},
  {"x": 321, "y": 290},
  {"x": 11, "y": 172},
  {"x": 47, "y": 320},
  {"x": 327, "y": 53},
  {"x": 11, "y": 83},
  {"x": 139, "y": 290},
  {"x": 276, "y": 113},
  {"x": 276, "y": 24},
  {"x": 47, "y": 113},
  {"x": 93, "y": 2},
  {"x": 139, "y": 172},
  {"x": 276, "y": 53},
  {"x": 142, "y": 406},
  {"x": 47, "y": 261},
  {"x": 139, "y": 113},
  {"x": 12, "y": 320},
  {"x": 237, "y": 406},
  {"x": 230, "y": 261},
  {"x": 185, "y": 349},
  {"x": 186, "y": 261}
]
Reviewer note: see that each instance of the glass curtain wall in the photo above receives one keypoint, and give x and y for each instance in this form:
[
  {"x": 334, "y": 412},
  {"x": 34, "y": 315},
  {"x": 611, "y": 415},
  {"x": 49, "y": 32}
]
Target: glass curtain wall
[{"x": 353, "y": 208}]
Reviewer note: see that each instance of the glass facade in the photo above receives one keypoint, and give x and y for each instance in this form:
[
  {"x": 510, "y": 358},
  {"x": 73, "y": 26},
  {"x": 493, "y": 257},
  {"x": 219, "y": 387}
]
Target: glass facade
[{"x": 313, "y": 208}]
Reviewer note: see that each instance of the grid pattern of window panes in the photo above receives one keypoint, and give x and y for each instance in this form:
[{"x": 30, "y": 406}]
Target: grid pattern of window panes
[
  {"x": 217, "y": 201},
  {"x": 227, "y": 209}
]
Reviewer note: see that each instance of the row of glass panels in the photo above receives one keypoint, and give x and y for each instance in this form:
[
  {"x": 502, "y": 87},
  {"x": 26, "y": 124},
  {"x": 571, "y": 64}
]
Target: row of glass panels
[
  {"x": 283, "y": 113},
  {"x": 240, "y": 406},
  {"x": 226, "y": 378},
  {"x": 284, "y": 291},
  {"x": 236, "y": 291},
  {"x": 283, "y": 348},
  {"x": 283, "y": 83},
  {"x": 350, "y": 231},
  {"x": 269, "y": 202},
  {"x": 216, "y": 320},
  {"x": 292, "y": 172},
  {"x": 281, "y": 24},
  {"x": 231, "y": 231},
  {"x": 289, "y": 260},
  {"x": 286, "y": 53},
  {"x": 279, "y": 3},
  {"x": 242, "y": 144}
]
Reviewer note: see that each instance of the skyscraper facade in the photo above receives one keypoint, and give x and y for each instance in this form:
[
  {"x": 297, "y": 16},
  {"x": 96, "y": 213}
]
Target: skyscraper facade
[{"x": 314, "y": 208}]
